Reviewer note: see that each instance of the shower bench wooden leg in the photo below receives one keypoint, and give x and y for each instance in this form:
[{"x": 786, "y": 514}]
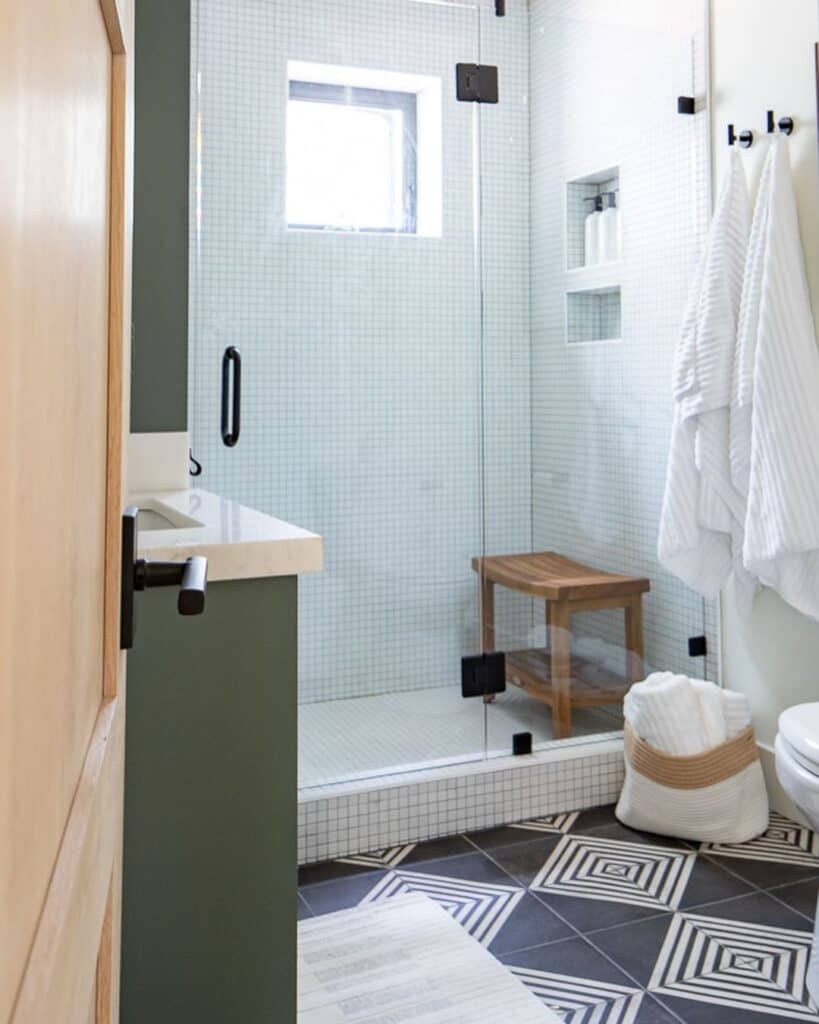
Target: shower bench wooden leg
[
  {"x": 635, "y": 670},
  {"x": 558, "y": 617},
  {"x": 488, "y": 623}
]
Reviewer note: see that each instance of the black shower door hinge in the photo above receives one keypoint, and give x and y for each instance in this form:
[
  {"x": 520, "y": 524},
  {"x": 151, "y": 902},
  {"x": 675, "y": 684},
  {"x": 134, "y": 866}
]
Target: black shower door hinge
[
  {"x": 483, "y": 674},
  {"x": 476, "y": 83},
  {"x": 697, "y": 647}
]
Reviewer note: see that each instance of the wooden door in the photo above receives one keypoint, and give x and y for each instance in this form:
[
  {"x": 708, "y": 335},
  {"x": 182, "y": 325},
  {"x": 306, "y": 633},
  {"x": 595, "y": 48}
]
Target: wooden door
[{"x": 64, "y": 307}]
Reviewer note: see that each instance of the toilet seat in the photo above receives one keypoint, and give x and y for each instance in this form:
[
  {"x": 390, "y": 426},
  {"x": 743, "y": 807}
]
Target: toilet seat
[
  {"x": 799, "y": 732},
  {"x": 804, "y": 763}
]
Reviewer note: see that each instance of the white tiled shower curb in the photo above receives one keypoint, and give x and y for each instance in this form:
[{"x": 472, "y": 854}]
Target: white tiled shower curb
[{"x": 348, "y": 819}]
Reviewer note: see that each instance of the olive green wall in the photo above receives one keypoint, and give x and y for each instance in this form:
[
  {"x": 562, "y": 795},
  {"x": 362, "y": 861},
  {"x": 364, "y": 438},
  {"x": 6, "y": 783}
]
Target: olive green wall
[
  {"x": 209, "y": 889},
  {"x": 159, "y": 371}
]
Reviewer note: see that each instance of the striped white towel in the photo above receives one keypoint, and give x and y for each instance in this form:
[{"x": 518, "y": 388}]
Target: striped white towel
[
  {"x": 775, "y": 424},
  {"x": 701, "y": 507},
  {"x": 664, "y": 711}
]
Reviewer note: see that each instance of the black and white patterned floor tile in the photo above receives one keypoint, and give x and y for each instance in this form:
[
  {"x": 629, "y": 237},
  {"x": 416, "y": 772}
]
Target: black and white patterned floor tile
[
  {"x": 551, "y": 823},
  {"x": 578, "y": 1000},
  {"x": 389, "y": 858},
  {"x": 735, "y": 964},
  {"x": 480, "y": 907},
  {"x": 785, "y": 842},
  {"x": 598, "y": 868},
  {"x": 610, "y": 926}
]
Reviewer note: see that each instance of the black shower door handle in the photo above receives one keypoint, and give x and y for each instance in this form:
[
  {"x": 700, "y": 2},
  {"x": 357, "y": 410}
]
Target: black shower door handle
[{"x": 231, "y": 405}]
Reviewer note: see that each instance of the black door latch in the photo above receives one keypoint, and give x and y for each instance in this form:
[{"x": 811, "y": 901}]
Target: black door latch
[{"x": 191, "y": 576}]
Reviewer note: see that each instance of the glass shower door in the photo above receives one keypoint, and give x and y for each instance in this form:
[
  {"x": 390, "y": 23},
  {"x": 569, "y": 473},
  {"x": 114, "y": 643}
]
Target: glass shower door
[
  {"x": 334, "y": 243},
  {"x": 577, "y": 358}
]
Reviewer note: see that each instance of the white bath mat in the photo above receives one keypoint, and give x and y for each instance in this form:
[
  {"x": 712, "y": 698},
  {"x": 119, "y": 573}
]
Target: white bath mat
[{"x": 405, "y": 959}]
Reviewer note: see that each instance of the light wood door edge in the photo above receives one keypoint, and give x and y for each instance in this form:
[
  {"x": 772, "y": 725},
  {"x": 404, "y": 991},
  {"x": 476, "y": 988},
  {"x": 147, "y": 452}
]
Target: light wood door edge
[
  {"x": 118, "y": 351},
  {"x": 117, "y": 24},
  {"x": 60, "y": 973}
]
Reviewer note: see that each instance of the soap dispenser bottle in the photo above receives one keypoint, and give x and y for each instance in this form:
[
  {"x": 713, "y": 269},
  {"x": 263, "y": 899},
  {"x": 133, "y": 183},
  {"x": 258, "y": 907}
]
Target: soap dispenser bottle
[
  {"x": 609, "y": 248},
  {"x": 592, "y": 231}
]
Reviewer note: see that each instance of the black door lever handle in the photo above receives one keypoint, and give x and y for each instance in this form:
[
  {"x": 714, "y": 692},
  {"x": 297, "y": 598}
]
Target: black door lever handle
[{"x": 191, "y": 576}]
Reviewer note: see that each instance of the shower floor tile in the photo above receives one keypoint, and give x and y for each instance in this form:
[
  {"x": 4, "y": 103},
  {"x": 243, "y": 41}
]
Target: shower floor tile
[
  {"x": 721, "y": 948},
  {"x": 345, "y": 740}
]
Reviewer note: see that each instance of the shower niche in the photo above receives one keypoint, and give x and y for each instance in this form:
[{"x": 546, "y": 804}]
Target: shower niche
[{"x": 593, "y": 257}]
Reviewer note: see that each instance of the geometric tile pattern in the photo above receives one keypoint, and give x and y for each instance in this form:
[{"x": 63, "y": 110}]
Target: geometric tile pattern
[
  {"x": 598, "y": 935},
  {"x": 479, "y": 907},
  {"x": 389, "y": 858},
  {"x": 581, "y": 1001},
  {"x": 595, "y": 868},
  {"x": 785, "y": 842},
  {"x": 552, "y": 823},
  {"x": 729, "y": 963}
]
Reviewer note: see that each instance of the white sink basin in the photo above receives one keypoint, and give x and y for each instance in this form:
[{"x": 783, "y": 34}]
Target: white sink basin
[
  {"x": 150, "y": 519},
  {"x": 154, "y": 515}
]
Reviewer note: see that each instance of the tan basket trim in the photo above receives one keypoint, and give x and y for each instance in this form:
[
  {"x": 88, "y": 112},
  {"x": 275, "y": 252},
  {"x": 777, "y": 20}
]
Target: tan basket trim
[{"x": 695, "y": 771}]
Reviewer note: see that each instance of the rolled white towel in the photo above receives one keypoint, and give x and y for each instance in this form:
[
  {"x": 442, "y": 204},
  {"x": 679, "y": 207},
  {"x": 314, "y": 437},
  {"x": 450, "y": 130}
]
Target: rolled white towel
[
  {"x": 665, "y": 712},
  {"x": 737, "y": 711},
  {"x": 712, "y": 713}
]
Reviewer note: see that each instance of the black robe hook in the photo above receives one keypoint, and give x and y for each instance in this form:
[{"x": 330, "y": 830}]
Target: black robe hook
[
  {"x": 745, "y": 138},
  {"x": 784, "y": 124}
]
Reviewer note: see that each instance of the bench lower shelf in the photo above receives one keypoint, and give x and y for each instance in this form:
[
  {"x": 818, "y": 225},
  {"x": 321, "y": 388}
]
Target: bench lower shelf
[{"x": 591, "y": 684}]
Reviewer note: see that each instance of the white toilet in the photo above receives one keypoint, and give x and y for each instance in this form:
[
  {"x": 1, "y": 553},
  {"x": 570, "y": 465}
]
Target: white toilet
[{"x": 797, "y": 766}]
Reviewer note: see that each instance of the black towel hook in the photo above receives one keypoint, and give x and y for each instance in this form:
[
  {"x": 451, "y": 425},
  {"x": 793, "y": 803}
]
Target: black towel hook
[
  {"x": 745, "y": 137},
  {"x": 784, "y": 124}
]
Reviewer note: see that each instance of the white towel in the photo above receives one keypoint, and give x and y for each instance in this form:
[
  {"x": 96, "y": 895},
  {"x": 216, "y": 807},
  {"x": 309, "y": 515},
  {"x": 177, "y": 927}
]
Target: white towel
[
  {"x": 775, "y": 422},
  {"x": 712, "y": 713},
  {"x": 665, "y": 712},
  {"x": 737, "y": 712},
  {"x": 701, "y": 507}
]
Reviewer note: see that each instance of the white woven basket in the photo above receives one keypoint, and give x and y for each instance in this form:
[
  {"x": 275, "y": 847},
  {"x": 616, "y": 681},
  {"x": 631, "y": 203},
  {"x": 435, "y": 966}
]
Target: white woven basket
[{"x": 718, "y": 796}]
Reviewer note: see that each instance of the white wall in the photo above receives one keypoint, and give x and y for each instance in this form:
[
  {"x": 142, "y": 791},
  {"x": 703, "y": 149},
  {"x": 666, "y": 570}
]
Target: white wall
[{"x": 762, "y": 57}]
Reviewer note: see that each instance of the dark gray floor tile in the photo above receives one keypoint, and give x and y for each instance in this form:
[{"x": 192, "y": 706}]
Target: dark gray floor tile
[
  {"x": 617, "y": 830},
  {"x": 505, "y": 835},
  {"x": 572, "y": 977},
  {"x": 573, "y": 958},
  {"x": 767, "y": 873},
  {"x": 634, "y": 947},
  {"x": 595, "y": 817},
  {"x": 436, "y": 849},
  {"x": 472, "y": 867},
  {"x": 523, "y": 832},
  {"x": 758, "y": 908},
  {"x": 652, "y": 1012},
  {"x": 340, "y": 894},
  {"x": 801, "y": 896},
  {"x": 303, "y": 911},
  {"x": 523, "y": 861},
  {"x": 591, "y": 915},
  {"x": 330, "y": 871},
  {"x": 530, "y": 924},
  {"x": 710, "y": 882}
]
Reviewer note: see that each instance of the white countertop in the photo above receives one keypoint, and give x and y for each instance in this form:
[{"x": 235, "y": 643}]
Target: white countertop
[{"x": 238, "y": 542}]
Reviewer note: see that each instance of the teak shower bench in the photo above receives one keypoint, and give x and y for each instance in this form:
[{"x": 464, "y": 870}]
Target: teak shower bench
[{"x": 552, "y": 675}]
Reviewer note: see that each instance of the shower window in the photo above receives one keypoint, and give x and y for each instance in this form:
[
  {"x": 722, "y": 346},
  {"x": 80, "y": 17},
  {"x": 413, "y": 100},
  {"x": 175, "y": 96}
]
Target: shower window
[{"x": 351, "y": 158}]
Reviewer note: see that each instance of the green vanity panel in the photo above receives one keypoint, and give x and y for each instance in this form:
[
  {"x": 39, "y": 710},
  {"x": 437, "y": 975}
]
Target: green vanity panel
[{"x": 209, "y": 893}]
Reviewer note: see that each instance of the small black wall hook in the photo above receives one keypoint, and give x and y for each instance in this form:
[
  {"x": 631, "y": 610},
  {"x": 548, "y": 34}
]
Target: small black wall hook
[
  {"x": 745, "y": 137},
  {"x": 784, "y": 124},
  {"x": 196, "y": 466}
]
